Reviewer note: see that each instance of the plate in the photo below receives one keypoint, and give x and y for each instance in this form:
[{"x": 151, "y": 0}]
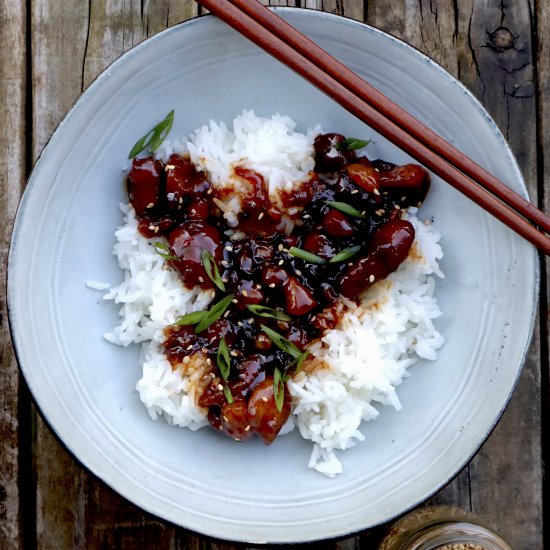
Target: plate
[{"x": 85, "y": 387}]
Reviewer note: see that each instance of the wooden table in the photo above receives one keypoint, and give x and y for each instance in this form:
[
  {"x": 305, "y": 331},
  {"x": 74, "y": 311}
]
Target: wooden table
[{"x": 50, "y": 50}]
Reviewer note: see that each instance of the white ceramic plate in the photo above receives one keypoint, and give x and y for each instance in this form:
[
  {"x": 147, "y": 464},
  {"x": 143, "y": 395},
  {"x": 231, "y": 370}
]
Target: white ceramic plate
[{"x": 85, "y": 387}]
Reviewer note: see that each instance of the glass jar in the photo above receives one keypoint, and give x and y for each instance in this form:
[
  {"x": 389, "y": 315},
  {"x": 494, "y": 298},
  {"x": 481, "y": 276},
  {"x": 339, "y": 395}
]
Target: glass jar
[{"x": 441, "y": 528}]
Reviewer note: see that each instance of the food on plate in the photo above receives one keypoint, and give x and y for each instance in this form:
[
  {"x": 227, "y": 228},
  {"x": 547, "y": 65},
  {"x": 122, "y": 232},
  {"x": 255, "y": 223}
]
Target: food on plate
[{"x": 276, "y": 279}]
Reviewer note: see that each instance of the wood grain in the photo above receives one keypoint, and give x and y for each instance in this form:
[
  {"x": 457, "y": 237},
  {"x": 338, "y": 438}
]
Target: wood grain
[
  {"x": 12, "y": 177},
  {"x": 488, "y": 44}
]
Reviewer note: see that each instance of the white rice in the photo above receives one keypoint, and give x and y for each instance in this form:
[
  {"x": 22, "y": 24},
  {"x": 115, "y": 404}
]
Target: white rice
[{"x": 355, "y": 366}]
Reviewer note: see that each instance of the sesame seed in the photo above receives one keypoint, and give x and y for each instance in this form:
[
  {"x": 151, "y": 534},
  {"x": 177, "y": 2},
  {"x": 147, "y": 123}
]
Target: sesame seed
[
  {"x": 225, "y": 280},
  {"x": 186, "y": 359},
  {"x": 247, "y": 428},
  {"x": 364, "y": 212},
  {"x": 313, "y": 318},
  {"x": 240, "y": 323},
  {"x": 305, "y": 216},
  {"x": 150, "y": 205},
  {"x": 180, "y": 200},
  {"x": 251, "y": 320},
  {"x": 272, "y": 285},
  {"x": 265, "y": 399},
  {"x": 238, "y": 439},
  {"x": 204, "y": 350},
  {"x": 220, "y": 428},
  {"x": 212, "y": 375},
  {"x": 225, "y": 419},
  {"x": 152, "y": 227},
  {"x": 212, "y": 293},
  {"x": 235, "y": 301},
  {"x": 355, "y": 191},
  {"x": 209, "y": 362},
  {"x": 403, "y": 198},
  {"x": 201, "y": 279},
  {"x": 299, "y": 273},
  {"x": 190, "y": 346},
  {"x": 397, "y": 207},
  {"x": 258, "y": 287},
  {"x": 350, "y": 264},
  {"x": 220, "y": 387},
  {"x": 261, "y": 215},
  {"x": 169, "y": 167},
  {"x": 377, "y": 170},
  {"x": 281, "y": 262},
  {"x": 226, "y": 314},
  {"x": 418, "y": 204},
  {"x": 209, "y": 192},
  {"x": 229, "y": 248},
  {"x": 280, "y": 248},
  {"x": 225, "y": 263},
  {"x": 371, "y": 279},
  {"x": 157, "y": 228},
  {"x": 376, "y": 192},
  {"x": 233, "y": 353},
  {"x": 244, "y": 293}
]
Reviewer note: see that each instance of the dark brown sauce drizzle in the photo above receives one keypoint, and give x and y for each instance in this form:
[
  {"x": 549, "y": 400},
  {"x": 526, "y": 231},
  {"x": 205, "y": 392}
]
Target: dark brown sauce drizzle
[{"x": 175, "y": 201}]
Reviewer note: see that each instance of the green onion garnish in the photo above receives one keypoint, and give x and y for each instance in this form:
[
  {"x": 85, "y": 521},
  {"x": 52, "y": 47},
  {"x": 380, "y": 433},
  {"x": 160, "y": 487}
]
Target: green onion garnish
[
  {"x": 228, "y": 395},
  {"x": 351, "y": 144},
  {"x": 282, "y": 343},
  {"x": 214, "y": 313},
  {"x": 211, "y": 268},
  {"x": 224, "y": 359},
  {"x": 345, "y": 254},
  {"x": 163, "y": 250},
  {"x": 264, "y": 311},
  {"x": 278, "y": 389},
  {"x": 306, "y": 256},
  {"x": 191, "y": 318},
  {"x": 154, "y": 137},
  {"x": 345, "y": 208}
]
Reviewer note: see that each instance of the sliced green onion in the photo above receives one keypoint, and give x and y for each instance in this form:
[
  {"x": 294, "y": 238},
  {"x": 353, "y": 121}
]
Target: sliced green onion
[
  {"x": 278, "y": 389},
  {"x": 214, "y": 313},
  {"x": 191, "y": 318},
  {"x": 224, "y": 359},
  {"x": 228, "y": 395},
  {"x": 211, "y": 268},
  {"x": 351, "y": 144},
  {"x": 305, "y": 255},
  {"x": 345, "y": 208},
  {"x": 298, "y": 362},
  {"x": 163, "y": 251},
  {"x": 264, "y": 311},
  {"x": 282, "y": 343},
  {"x": 345, "y": 254},
  {"x": 153, "y": 138}
]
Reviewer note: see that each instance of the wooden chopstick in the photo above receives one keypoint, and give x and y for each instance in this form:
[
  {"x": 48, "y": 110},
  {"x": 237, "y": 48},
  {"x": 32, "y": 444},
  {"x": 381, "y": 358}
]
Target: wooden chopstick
[
  {"x": 260, "y": 35},
  {"x": 389, "y": 109}
]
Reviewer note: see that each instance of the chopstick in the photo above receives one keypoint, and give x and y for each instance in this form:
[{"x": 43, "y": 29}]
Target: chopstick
[{"x": 436, "y": 154}]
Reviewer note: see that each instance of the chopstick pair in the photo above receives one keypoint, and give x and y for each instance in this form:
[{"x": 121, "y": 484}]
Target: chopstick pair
[{"x": 285, "y": 43}]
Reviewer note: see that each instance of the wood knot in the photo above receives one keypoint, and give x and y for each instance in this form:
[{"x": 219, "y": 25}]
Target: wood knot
[{"x": 501, "y": 39}]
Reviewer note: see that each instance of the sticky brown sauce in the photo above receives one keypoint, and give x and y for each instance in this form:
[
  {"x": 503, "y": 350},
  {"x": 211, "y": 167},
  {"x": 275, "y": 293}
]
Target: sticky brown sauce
[{"x": 175, "y": 201}]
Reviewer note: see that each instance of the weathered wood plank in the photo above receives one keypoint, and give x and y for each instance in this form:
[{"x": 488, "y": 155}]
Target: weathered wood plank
[
  {"x": 12, "y": 177},
  {"x": 543, "y": 141}
]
